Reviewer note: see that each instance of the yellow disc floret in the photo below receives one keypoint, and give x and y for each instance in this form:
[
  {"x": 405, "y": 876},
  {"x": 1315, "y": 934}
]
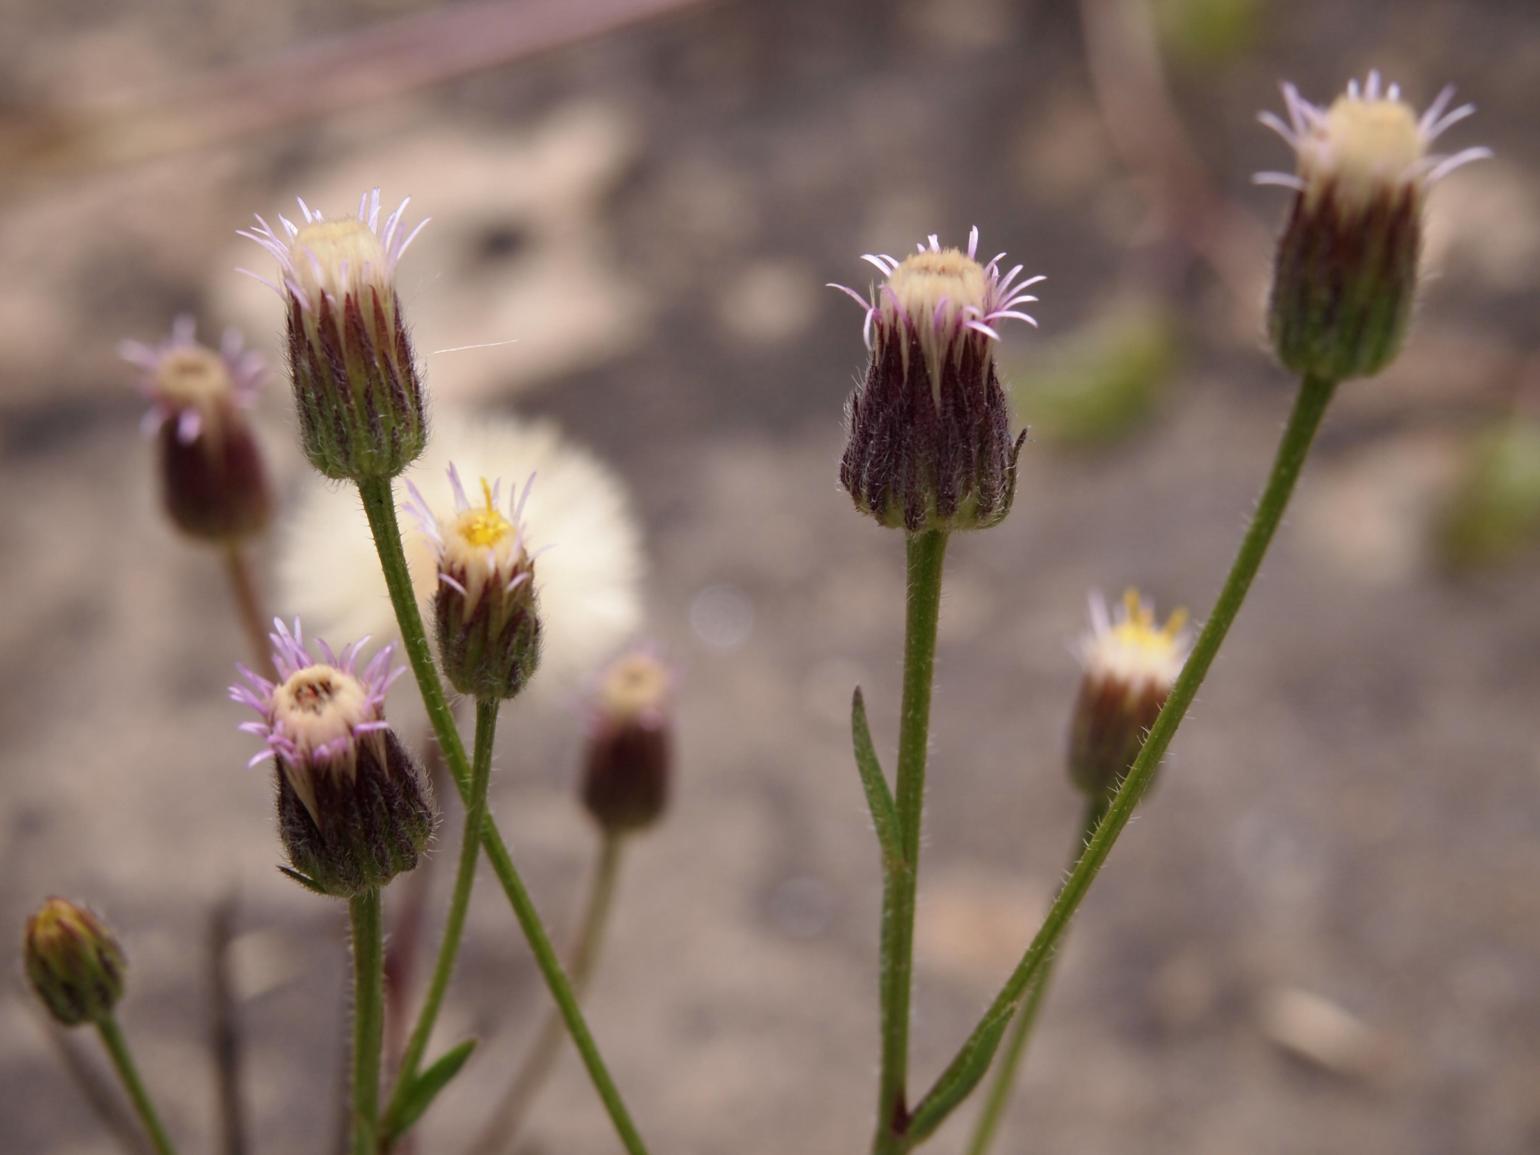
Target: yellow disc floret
[
  {"x": 484, "y": 527},
  {"x": 1135, "y": 649}
]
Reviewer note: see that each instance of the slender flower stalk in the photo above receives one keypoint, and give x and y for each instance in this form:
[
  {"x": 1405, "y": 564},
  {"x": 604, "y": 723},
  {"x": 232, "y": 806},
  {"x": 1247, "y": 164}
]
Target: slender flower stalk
[
  {"x": 123, "y": 1063},
  {"x": 971, "y": 1062},
  {"x": 502, "y": 1129},
  {"x": 368, "y": 1017},
  {"x": 454, "y": 923},
  {"x": 926, "y": 553},
  {"x": 1006, "y": 1067},
  {"x": 379, "y": 505}
]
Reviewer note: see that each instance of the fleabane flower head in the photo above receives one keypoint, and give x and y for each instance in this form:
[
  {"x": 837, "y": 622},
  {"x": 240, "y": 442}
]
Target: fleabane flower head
[
  {"x": 356, "y": 388},
  {"x": 354, "y": 810},
  {"x": 589, "y": 580},
  {"x": 212, "y": 477},
  {"x": 628, "y": 759},
  {"x": 484, "y": 610},
  {"x": 1346, "y": 271},
  {"x": 930, "y": 445},
  {"x": 1129, "y": 666}
]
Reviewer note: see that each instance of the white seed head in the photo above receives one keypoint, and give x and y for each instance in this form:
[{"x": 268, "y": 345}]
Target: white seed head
[{"x": 578, "y": 513}]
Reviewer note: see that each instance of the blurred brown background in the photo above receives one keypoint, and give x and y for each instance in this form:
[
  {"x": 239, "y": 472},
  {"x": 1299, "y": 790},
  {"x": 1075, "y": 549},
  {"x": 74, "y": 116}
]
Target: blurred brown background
[{"x": 1324, "y": 933}]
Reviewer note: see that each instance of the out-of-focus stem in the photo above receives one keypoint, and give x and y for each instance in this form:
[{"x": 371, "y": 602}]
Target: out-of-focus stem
[
  {"x": 454, "y": 922},
  {"x": 225, "y": 1031},
  {"x": 500, "y": 1131},
  {"x": 248, "y": 607},
  {"x": 1007, "y": 1065}
]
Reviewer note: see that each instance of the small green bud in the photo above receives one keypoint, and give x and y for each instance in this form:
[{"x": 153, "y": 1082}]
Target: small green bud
[{"x": 73, "y": 963}]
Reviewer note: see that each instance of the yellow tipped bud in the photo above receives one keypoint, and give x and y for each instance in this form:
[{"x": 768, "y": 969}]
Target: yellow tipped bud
[{"x": 1131, "y": 663}]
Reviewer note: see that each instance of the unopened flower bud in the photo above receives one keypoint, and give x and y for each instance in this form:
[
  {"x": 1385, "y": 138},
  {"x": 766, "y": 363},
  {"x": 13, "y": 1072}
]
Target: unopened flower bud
[
  {"x": 629, "y": 757},
  {"x": 356, "y": 389},
  {"x": 213, "y": 480},
  {"x": 73, "y": 963},
  {"x": 1346, "y": 270},
  {"x": 354, "y": 810},
  {"x": 930, "y": 444},
  {"x": 484, "y": 610},
  {"x": 1130, "y": 665}
]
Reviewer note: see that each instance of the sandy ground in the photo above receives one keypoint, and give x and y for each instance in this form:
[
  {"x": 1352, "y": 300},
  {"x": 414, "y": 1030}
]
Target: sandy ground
[{"x": 1324, "y": 932}]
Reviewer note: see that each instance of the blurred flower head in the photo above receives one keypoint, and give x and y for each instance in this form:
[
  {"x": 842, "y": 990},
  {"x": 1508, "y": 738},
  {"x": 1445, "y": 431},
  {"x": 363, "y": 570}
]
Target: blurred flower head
[
  {"x": 1346, "y": 269},
  {"x": 73, "y": 962},
  {"x": 484, "y": 610},
  {"x": 628, "y": 762},
  {"x": 356, "y": 388},
  {"x": 1130, "y": 665},
  {"x": 590, "y": 567},
  {"x": 929, "y": 427},
  {"x": 213, "y": 480},
  {"x": 1367, "y": 144}
]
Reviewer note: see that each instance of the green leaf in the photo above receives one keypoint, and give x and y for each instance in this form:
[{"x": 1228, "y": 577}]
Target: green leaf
[
  {"x": 956, "y": 1082},
  {"x": 878, "y": 797},
  {"x": 426, "y": 1086}
]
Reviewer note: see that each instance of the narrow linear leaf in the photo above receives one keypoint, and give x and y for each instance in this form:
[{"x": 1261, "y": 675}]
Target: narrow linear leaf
[
  {"x": 427, "y": 1086},
  {"x": 304, "y": 880},
  {"x": 878, "y": 797},
  {"x": 956, "y": 1083}
]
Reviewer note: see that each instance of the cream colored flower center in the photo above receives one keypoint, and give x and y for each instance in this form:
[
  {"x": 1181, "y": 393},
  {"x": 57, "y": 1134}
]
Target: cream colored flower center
[
  {"x": 337, "y": 258},
  {"x": 923, "y": 281},
  {"x": 634, "y": 685},
  {"x": 320, "y": 704},
  {"x": 191, "y": 375},
  {"x": 1362, "y": 147}
]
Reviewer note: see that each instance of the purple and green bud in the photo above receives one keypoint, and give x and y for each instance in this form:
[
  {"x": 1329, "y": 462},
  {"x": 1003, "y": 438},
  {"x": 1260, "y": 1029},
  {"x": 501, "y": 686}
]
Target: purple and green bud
[
  {"x": 356, "y": 388},
  {"x": 930, "y": 444},
  {"x": 628, "y": 760},
  {"x": 485, "y": 612},
  {"x": 213, "y": 480},
  {"x": 1346, "y": 273},
  {"x": 73, "y": 963},
  {"x": 354, "y": 810}
]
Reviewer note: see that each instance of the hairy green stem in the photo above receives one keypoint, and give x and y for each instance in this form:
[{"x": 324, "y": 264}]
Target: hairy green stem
[
  {"x": 368, "y": 1016},
  {"x": 925, "y": 555},
  {"x": 123, "y": 1063},
  {"x": 454, "y": 922},
  {"x": 1304, "y": 421},
  {"x": 380, "y": 507},
  {"x": 501, "y": 1130},
  {"x": 999, "y": 1095}
]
